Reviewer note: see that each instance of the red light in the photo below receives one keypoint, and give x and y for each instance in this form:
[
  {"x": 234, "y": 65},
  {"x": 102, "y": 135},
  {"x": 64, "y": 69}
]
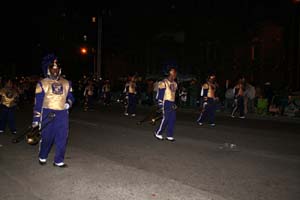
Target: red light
[{"x": 83, "y": 50}]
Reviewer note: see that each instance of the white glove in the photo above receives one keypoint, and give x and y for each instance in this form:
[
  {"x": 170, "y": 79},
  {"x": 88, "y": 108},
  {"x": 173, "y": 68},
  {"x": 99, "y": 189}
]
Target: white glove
[
  {"x": 34, "y": 124},
  {"x": 67, "y": 106}
]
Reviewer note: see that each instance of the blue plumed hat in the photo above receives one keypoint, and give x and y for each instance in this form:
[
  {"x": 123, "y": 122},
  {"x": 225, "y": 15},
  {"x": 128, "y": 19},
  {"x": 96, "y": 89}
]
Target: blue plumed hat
[{"x": 47, "y": 61}]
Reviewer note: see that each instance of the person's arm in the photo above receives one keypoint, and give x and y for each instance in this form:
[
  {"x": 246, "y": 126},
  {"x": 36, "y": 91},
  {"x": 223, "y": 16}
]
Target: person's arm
[
  {"x": 39, "y": 98},
  {"x": 204, "y": 91},
  {"x": 161, "y": 93},
  {"x": 70, "y": 97}
]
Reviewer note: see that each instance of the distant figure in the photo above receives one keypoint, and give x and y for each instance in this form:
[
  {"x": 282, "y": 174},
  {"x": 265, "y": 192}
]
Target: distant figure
[
  {"x": 183, "y": 94},
  {"x": 268, "y": 91},
  {"x": 150, "y": 85},
  {"x": 88, "y": 96},
  {"x": 193, "y": 93},
  {"x": 155, "y": 90},
  {"x": 8, "y": 104},
  {"x": 249, "y": 98},
  {"x": 106, "y": 93},
  {"x": 131, "y": 91},
  {"x": 239, "y": 93}
]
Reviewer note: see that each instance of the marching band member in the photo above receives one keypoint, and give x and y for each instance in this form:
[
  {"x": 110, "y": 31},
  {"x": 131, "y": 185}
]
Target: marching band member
[
  {"x": 53, "y": 95},
  {"x": 131, "y": 91},
  {"x": 8, "y": 104},
  {"x": 166, "y": 101},
  {"x": 208, "y": 93}
]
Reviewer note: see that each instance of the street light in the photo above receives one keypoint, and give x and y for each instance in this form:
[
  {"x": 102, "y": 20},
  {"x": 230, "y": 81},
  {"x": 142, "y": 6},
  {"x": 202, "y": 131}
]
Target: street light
[
  {"x": 99, "y": 20},
  {"x": 83, "y": 50}
]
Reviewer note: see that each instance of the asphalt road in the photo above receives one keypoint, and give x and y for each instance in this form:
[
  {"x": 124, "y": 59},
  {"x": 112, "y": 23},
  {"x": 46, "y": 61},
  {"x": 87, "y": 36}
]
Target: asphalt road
[{"x": 110, "y": 157}]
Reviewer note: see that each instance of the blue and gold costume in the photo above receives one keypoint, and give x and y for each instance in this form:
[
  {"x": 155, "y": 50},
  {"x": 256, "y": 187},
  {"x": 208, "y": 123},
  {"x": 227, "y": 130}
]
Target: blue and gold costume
[
  {"x": 8, "y": 103},
  {"x": 53, "y": 96},
  {"x": 166, "y": 101},
  {"x": 209, "y": 105},
  {"x": 130, "y": 90}
]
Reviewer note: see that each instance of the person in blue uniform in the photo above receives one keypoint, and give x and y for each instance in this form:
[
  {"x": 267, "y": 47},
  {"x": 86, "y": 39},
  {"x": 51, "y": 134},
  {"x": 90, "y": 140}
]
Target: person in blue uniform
[
  {"x": 131, "y": 91},
  {"x": 53, "y": 95},
  {"x": 166, "y": 101},
  {"x": 208, "y": 95},
  {"x": 8, "y": 104}
]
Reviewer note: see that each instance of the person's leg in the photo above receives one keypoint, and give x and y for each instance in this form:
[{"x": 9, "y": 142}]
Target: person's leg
[
  {"x": 235, "y": 107},
  {"x": 130, "y": 104},
  {"x": 171, "y": 123},
  {"x": 3, "y": 118},
  {"x": 203, "y": 113},
  {"x": 61, "y": 129},
  {"x": 11, "y": 120},
  {"x": 212, "y": 111},
  {"x": 134, "y": 102},
  {"x": 163, "y": 124},
  {"x": 47, "y": 135},
  {"x": 241, "y": 106}
]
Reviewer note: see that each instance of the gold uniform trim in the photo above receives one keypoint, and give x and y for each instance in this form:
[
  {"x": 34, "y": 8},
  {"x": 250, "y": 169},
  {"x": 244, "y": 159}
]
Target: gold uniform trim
[
  {"x": 205, "y": 86},
  {"x": 170, "y": 91},
  {"x": 10, "y": 100},
  {"x": 211, "y": 91},
  {"x": 161, "y": 85},
  {"x": 56, "y": 92},
  {"x": 132, "y": 87},
  {"x": 38, "y": 89}
]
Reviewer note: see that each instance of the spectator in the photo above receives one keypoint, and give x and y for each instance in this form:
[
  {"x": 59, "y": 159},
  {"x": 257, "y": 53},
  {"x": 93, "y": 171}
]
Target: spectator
[{"x": 193, "y": 93}]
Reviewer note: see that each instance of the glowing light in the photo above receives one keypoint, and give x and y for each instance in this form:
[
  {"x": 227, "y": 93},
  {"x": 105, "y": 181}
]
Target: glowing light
[{"x": 83, "y": 50}]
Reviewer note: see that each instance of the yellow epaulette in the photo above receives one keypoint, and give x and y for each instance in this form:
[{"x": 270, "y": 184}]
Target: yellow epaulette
[
  {"x": 205, "y": 86},
  {"x": 161, "y": 85}
]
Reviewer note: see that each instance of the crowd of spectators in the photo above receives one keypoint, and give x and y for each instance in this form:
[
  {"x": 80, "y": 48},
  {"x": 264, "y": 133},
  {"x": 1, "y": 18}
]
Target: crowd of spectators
[{"x": 90, "y": 90}]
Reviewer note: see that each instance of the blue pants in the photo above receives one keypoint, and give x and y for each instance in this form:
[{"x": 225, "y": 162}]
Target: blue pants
[
  {"x": 168, "y": 120},
  {"x": 7, "y": 114},
  {"x": 209, "y": 109},
  {"x": 56, "y": 132},
  {"x": 131, "y": 104}
]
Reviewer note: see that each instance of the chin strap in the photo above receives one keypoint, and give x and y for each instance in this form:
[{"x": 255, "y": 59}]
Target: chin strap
[{"x": 56, "y": 78}]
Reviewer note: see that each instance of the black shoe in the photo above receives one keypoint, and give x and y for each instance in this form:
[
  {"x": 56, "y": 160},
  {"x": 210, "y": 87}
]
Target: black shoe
[{"x": 61, "y": 166}]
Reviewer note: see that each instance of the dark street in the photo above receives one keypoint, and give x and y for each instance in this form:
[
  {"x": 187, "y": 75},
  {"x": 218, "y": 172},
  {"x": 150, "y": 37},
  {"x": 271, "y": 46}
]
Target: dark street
[{"x": 110, "y": 157}]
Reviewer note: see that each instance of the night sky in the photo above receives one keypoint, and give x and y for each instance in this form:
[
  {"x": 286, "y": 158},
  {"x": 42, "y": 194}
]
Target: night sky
[{"x": 58, "y": 26}]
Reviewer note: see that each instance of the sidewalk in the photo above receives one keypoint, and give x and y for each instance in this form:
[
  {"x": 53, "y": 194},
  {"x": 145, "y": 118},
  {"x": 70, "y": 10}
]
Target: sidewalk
[
  {"x": 227, "y": 114},
  {"x": 251, "y": 116}
]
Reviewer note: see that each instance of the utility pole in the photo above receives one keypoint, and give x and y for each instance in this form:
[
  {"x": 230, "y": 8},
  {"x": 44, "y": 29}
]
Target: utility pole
[{"x": 99, "y": 46}]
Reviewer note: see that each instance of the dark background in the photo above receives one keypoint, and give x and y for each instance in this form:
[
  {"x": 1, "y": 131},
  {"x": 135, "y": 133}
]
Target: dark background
[{"x": 258, "y": 38}]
